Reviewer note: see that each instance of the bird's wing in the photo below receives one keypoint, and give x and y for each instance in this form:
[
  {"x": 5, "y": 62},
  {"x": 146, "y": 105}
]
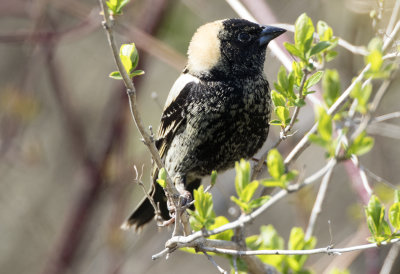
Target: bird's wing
[{"x": 174, "y": 112}]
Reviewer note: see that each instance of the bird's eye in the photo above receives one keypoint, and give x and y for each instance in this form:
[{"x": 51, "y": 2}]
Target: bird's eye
[{"x": 244, "y": 37}]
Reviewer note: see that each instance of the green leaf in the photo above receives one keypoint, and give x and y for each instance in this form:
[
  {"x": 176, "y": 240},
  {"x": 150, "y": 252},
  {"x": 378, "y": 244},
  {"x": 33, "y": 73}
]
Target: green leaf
[
  {"x": 293, "y": 50},
  {"x": 375, "y": 58},
  {"x": 303, "y": 35},
  {"x": 397, "y": 196},
  {"x": 331, "y": 86},
  {"x": 362, "y": 94},
  {"x": 204, "y": 215},
  {"x": 394, "y": 215},
  {"x": 313, "y": 138},
  {"x": 136, "y": 73},
  {"x": 115, "y": 75},
  {"x": 162, "y": 178},
  {"x": 115, "y": 6},
  {"x": 339, "y": 271},
  {"x": 297, "y": 242},
  {"x": 129, "y": 57},
  {"x": 330, "y": 55},
  {"x": 314, "y": 79},
  {"x": 243, "y": 206},
  {"x": 248, "y": 191},
  {"x": 259, "y": 201},
  {"x": 319, "y": 47},
  {"x": 276, "y": 167},
  {"x": 275, "y": 122},
  {"x": 375, "y": 213},
  {"x": 278, "y": 99},
  {"x": 289, "y": 176},
  {"x": 283, "y": 114},
  {"x": 213, "y": 177},
  {"x": 299, "y": 102},
  {"x": 325, "y": 32},
  {"x": 296, "y": 239},
  {"x": 297, "y": 72},
  {"x": 375, "y": 44},
  {"x": 273, "y": 183},
  {"x": 325, "y": 125},
  {"x": 372, "y": 226},
  {"x": 361, "y": 144},
  {"x": 226, "y": 235},
  {"x": 268, "y": 239},
  {"x": 242, "y": 178}
]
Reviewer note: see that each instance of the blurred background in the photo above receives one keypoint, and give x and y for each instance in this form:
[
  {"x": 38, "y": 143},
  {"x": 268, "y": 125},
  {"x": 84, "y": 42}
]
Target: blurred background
[{"x": 68, "y": 145}]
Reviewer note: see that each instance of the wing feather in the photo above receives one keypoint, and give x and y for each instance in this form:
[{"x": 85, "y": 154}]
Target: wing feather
[{"x": 174, "y": 111}]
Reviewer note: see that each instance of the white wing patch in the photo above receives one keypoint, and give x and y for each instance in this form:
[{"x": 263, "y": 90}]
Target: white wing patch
[{"x": 178, "y": 86}]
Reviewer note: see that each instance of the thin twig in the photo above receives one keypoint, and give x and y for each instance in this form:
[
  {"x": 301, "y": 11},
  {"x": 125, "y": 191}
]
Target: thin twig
[
  {"x": 324, "y": 250},
  {"x": 149, "y": 197},
  {"x": 386, "y": 117},
  {"x": 391, "y": 55},
  {"x": 379, "y": 179},
  {"x": 374, "y": 105},
  {"x": 318, "y": 204},
  {"x": 391, "y": 257},
  {"x": 131, "y": 91},
  {"x": 388, "y": 41},
  {"x": 322, "y": 191},
  {"x": 359, "y": 50},
  {"x": 393, "y": 17},
  {"x": 363, "y": 175},
  {"x": 211, "y": 259}
]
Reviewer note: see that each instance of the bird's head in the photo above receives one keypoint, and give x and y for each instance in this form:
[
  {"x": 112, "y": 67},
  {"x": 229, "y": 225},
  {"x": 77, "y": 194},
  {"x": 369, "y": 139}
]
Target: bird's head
[{"x": 229, "y": 48}]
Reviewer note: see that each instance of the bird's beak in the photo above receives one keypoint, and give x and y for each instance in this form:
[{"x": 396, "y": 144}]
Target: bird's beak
[{"x": 269, "y": 33}]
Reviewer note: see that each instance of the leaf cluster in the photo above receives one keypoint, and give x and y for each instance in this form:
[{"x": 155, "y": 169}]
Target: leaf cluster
[
  {"x": 115, "y": 6},
  {"x": 377, "y": 221},
  {"x": 378, "y": 69},
  {"x": 130, "y": 58},
  {"x": 276, "y": 168},
  {"x": 292, "y": 88},
  {"x": 269, "y": 239},
  {"x": 246, "y": 189}
]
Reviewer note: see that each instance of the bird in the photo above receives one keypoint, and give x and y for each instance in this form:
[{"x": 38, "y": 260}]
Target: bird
[{"x": 217, "y": 111}]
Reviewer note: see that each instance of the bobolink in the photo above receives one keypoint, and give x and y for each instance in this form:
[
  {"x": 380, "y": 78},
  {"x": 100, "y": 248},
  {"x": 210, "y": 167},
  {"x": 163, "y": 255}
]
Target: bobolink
[{"x": 217, "y": 111}]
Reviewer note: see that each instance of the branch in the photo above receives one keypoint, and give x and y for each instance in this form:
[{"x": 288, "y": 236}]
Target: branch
[
  {"x": 211, "y": 259},
  {"x": 131, "y": 91},
  {"x": 179, "y": 240},
  {"x": 385, "y": 117},
  {"x": 216, "y": 246},
  {"x": 303, "y": 143},
  {"x": 318, "y": 203},
  {"x": 392, "y": 255},
  {"x": 360, "y": 50},
  {"x": 283, "y": 134},
  {"x": 363, "y": 175},
  {"x": 324, "y": 250}
]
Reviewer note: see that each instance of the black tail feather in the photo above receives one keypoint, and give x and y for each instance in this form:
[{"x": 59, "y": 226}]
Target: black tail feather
[{"x": 144, "y": 212}]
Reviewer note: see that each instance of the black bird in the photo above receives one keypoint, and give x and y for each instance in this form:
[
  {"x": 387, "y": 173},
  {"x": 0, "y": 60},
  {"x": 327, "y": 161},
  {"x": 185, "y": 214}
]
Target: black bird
[{"x": 217, "y": 111}]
